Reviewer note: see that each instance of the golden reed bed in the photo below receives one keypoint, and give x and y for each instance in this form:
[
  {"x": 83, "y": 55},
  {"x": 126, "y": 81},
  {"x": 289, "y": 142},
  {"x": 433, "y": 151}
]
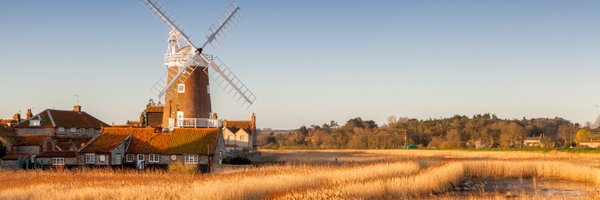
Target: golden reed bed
[{"x": 340, "y": 175}]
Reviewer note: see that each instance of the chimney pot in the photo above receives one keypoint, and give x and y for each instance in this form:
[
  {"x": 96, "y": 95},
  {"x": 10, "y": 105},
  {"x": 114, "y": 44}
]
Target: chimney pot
[
  {"x": 77, "y": 108},
  {"x": 29, "y": 114}
]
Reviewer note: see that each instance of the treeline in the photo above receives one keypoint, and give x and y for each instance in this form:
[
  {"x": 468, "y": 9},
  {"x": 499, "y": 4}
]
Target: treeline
[{"x": 479, "y": 131}]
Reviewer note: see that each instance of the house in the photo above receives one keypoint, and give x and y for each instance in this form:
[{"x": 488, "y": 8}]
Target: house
[
  {"x": 105, "y": 149},
  {"x": 238, "y": 140},
  {"x": 147, "y": 147},
  {"x": 15, "y": 160},
  {"x": 61, "y": 123},
  {"x": 57, "y": 159},
  {"x": 534, "y": 141},
  {"x": 152, "y": 115},
  {"x": 590, "y": 144},
  {"x": 10, "y": 123},
  {"x": 7, "y": 140}
]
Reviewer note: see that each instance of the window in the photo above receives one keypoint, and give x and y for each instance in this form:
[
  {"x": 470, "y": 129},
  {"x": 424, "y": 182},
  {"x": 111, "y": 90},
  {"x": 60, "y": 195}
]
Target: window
[
  {"x": 129, "y": 157},
  {"x": 73, "y": 130},
  {"x": 181, "y": 88},
  {"x": 228, "y": 138},
  {"x": 118, "y": 159},
  {"x": 140, "y": 157},
  {"x": 61, "y": 129},
  {"x": 191, "y": 159},
  {"x": 34, "y": 122},
  {"x": 241, "y": 137},
  {"x": 153, "y": 158},
  {"x": 102, "y": 158},
  {"x": 208, "y": 89},
  {"x": 90, "y": 158},
  {"x": 58, "y": 161}
]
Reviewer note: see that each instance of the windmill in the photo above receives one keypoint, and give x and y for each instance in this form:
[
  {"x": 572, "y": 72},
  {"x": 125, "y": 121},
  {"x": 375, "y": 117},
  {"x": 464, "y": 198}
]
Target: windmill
[{"x": 185, "y": 85}]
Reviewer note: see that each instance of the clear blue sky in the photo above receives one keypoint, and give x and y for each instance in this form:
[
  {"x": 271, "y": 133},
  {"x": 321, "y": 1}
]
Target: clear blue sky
[{"x": 314, "y": 61}]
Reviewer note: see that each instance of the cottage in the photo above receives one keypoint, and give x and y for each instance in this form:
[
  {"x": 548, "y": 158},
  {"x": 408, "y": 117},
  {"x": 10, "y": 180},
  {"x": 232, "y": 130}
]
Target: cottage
[
  {"x": 590, "y": 144},
  {"x": 147, "y": 147},
  {"x": 534, "y": 141},
  {"x": 15, "y": 160},
  {"x": 105, "y": 149},
  {"x": 57, "y": 159},
  {"x": 238, "y": 140},
  {"x": 61, "y": 123}
]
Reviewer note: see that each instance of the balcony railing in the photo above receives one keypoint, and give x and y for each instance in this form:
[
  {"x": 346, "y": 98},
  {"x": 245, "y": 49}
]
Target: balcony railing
[{"x": 194, "y": 123}]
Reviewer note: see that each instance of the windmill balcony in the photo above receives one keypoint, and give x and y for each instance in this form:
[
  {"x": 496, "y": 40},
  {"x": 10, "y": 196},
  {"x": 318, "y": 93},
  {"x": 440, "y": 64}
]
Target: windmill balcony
[{"x": 194, "y": 123}]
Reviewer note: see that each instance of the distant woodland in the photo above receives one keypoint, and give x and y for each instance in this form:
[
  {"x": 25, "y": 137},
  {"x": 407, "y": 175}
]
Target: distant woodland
[{"x": 479, "y": 131}]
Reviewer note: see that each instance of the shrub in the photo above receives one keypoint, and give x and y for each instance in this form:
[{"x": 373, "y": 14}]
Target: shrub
[{"x": 237, "y": 161}]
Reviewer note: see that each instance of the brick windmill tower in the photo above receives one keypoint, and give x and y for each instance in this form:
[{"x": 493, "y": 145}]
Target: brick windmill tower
[{"x": 185, "y": 85}]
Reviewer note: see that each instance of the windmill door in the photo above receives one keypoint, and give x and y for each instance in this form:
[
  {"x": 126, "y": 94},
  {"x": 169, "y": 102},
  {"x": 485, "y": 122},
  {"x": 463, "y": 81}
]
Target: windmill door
[{"x": 179, "y": 118}]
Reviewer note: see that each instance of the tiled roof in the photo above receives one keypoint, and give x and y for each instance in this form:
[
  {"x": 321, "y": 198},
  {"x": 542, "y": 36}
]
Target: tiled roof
[
  {"x": 65, "y": 154},
  {"x": 66, "y": 119},
  {"x": 67, "y": 143},
  {"x": 181, "y": 141},
  {"x": 237, "y": 124},
  {"x": 105, "y": 143},
  {"x": 15, "y": 156},
  {"x": 30, "y": 139},
  {"x": 235, "y": 130},
  {"x": 7, "y": 135}
]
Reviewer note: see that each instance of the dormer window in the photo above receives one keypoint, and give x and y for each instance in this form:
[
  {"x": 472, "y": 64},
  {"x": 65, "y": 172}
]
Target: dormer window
[
  {"x": 34, "y": 122},
  {"x": 181, "y": 88}
]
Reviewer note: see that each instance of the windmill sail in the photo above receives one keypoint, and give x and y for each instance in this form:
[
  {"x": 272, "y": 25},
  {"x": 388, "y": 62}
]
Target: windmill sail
[
  {"x": 233, "y": 86},
  {"x": 231, "y": 16}
]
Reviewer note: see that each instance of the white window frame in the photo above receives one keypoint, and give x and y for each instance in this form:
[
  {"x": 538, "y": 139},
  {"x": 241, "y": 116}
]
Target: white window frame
[
  {"x": 102, "y": 158},
  {"x": 130, "y": 157},
  {"x": 181, "y": 88},
  {"x": 140, "y": 156},
  {"x": 118, "y": 159},
  {"x": 153, "y": 158},
  {"x": 90, "y": 158},
  {"x": 191, "y": 158},
  {"x": 58, "y": 161},
  {"x": 35, "y": 122}
]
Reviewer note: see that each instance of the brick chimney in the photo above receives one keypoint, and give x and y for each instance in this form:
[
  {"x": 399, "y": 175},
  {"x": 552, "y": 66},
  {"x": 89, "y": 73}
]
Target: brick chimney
[
  {"x": 77, "y": 108},
  {"x": 29, "y": 114},
  {"x": 17, "y": 117},
  {"x": 253, "y": 121}
]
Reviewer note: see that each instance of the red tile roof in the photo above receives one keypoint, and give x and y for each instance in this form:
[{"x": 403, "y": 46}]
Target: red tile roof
[
  {"x": 154, "y": 109},
  {"x": 7, "y": 135},
  {"x": 66, "y": 119},
  {"x": 105, "y": 143},
  {"x": 237, "y": 124},
  {"x": 65, "y": 154},
  {"x": 181, "y": 141},
  {"x": 31, "y": 139}
]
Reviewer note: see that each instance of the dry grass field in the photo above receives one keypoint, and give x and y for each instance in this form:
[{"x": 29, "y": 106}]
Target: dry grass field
[{"x": 334, "y": 174}]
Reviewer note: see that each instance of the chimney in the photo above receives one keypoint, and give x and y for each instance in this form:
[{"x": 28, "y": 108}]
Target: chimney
[
  {"x": 77, "y": 108},
  {"x": 17, "y": 117},
  {"x": 253, "y": 121},
  {"x": 29, "y": 114}
]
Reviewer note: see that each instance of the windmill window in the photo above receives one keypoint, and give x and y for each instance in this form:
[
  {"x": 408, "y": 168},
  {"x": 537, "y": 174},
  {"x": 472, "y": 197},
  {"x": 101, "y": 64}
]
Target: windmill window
[{"x": 180, "y": 88}]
